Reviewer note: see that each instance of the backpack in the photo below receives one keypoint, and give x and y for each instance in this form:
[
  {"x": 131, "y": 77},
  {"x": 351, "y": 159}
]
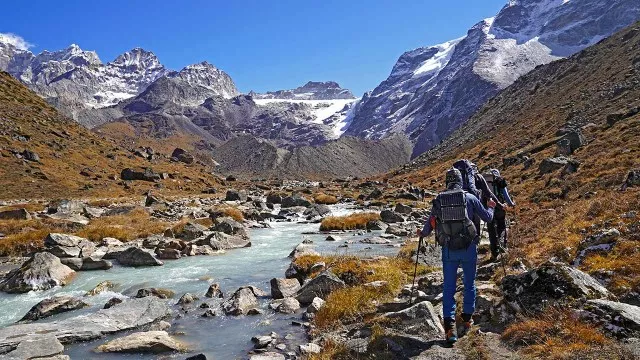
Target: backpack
[
  {"x": 468, "y": 176},
  {"x": 454, "y": 228},
  {"x": 496, "y": 184}
]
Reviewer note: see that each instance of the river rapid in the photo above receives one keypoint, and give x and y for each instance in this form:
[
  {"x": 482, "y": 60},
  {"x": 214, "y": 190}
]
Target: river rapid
[{"x": 221, "y": 337}]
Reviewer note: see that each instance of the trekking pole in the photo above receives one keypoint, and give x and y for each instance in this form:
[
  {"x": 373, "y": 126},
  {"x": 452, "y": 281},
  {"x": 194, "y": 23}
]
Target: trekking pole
[{"x": 415, "y": 271}]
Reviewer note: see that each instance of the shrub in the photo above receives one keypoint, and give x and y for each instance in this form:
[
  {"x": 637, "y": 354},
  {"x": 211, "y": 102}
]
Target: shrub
[
  {"x": 137, "y": 224},
  {"x": 325, "y": 199},
  {"x": 349, "y": 222}
]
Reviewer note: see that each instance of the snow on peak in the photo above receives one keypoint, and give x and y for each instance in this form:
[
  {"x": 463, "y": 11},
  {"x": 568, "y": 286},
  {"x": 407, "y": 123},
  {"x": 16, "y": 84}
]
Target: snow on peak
[
  {"x": 439, "y": 60},
  {"x": 138, "y": 58}
]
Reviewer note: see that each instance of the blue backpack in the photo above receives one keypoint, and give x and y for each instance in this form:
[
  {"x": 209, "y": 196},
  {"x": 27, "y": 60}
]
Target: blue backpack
[{"x": 468, "y": 176}]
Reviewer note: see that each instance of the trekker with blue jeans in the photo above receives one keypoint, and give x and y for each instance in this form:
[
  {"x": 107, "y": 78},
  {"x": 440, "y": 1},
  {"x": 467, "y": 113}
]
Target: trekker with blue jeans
[{"x": 451, "y": 217}]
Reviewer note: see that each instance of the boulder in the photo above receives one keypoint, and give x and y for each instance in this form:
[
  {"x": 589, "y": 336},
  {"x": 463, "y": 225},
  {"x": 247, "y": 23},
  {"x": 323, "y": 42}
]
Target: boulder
[
  {"x": 230, "y": 227},
  {"x": 64, "y": 246},
  {"x": 407, "y": 196},
  {"x": 274, "y": 198},
  {"x": 136, "y": 257},
  {"x": 146, "y": 174},
  {"x": 214, "y": 291},
  {"x": 157, "y": 292},
  {"x": 403, "y": 209},
  {"x": 396, "y": 230},
  {"x": 375, "y": 194},
  {"x": 187, "y": 298},
  {"x": 608, "y": 236},
  {"x": 283, "y": 288},
  {"x": 552, "y": 164},
  {"x": 112, "y": 302},
  {"x": 375, "y": 240},
  {"x": 269, "y": 355},
  {"x": 303, "y": 249},
  {"x": 320, "y": 286},
  {"x": 390, "y": 217},
  {"x": 376, "y": 225},
  {"x": 52, "y": 306},
  {"x": 126, "y": 316},
  {"x": 235, "y": 195},
  {"x": 101, "y": 287},
  {"x": 41, "y": 272},
  {"x": 295, "y": 200},
  {"x": 37, "y": 347},
  {"x": 288, "y": 306},
  {"x": 168, "y": 254},
  {"x": 222, "y": 241},
  {"x": 551, "y": 284},
  {"x": 87, "y": 263},
  {"x": 240, "y": 302},
  {"x": 15, "y": 214},
  {"x": 192, "y": 231},
  {"x": 315, "y": 305},
  {"x": 30, "y": 156},
  {"x": 316, "y": 211},
  {"x": 310, "y": 348},
  {"x": 421, "y": 316},
  {"x": 620, "y": 319},
  {"x": 153, "y": 342},
  {"x": 182, "y": 155}
]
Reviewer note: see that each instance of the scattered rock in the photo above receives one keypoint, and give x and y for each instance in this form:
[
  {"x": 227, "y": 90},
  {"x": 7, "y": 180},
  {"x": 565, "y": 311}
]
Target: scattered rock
[
  {"x": 136, "y": 257},
  {"x": 295, "y": 200},
  {"x": 301, "y": 250},
  {"x": 157, "y": 292},
  {"x": 403, "y": 209},
  {"x": 222, "y": 241},
  {"x": 376, "y": 225},
  {"x": 15, "y": 214},
  {"x": 191, "y": 231},
  {"x": 41, "y": 272},
  {"x": 182, "y": 155},
  {"x": 146, "y": 174},
  {"x": 310, "y": 348},
  {"x": 320, "y": 286},
  {"x": 112, "y": 302},
  {"x": 235, "y": 195},
  {"x": 283, "y": 288},
  {"x": 419, "y": 318},
  {"x": 620, "y": 319},
  {"x": 230, "y": 227},
  {"x": 240, "y": 302},
  {"x": 52, "y": 306},
  {"x": 214, "y": 291},
  {"x": 389, "y": 217},
  {"x": 268, "y": 356},
  {"x": 288, "y": 306},
  {"x": 552, "y": 164},
  {"x": 397, "y": 230},
  {"x": 101, "y": 287},
  {"x": 38, "y": 347},
  {"x": 154, "y": 342},
  {"x": 315, "y": 305},
  {"x": 187, "y": 298}
]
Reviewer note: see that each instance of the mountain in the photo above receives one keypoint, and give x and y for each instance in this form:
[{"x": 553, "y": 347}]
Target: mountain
[
  {"x": 45, "y": 154},
  {"x": 76, "y": 81},
  {"x": 431, "y": 91},
  {"x": 312, "y": 90}
]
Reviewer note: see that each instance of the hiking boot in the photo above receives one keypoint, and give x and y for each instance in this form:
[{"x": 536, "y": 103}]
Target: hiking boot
[
  {"x": 467, "y": 323},
  {"x": 451, "y": 335}
]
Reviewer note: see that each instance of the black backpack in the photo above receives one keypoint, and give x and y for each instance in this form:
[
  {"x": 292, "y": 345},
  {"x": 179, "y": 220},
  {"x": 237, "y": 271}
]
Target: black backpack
[
  {"x": 496, "y": 184},
  {"x": 454, "y": 228},
  {"x": 468, "y": 176}
]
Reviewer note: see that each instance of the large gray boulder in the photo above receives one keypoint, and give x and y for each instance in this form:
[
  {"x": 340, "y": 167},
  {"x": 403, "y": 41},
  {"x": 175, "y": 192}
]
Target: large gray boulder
[
  {"x": 419, "y": 318},
  {"x": 136, "y": 257},
  {"x": 182, "y": 155},
  {"x": 320, "y": 286},
  {"x": 550, "y": 165},
  {"x": 552, "y": 283},
  {"x": 87, "y": 263},
  {"x": 15, "y": 214},
  {"x": 222, "y": 241},
  {"x": 283, "y": 288},
  {"x": 390, "y": 217},
  {"x": 303, "y": 249},
  {"x": 295, "y": 200},
  {"x": 41, "y": 272},
  {"x": 230, "y": 227},
  {"x": 620, "y": 319},
  {"x": 241, "y": 302},
  {"x": 288, "y": 306},
  {"x": 146, "y": 174},
  {"x": 128, "y": 315},
  {"x": 235, "y": 195},
  {"x": 154, "y": 342},
  {"x": 66, "y": 246},
  {"x": 52, "y": 306},
  {"x": 43, "y": 347}
]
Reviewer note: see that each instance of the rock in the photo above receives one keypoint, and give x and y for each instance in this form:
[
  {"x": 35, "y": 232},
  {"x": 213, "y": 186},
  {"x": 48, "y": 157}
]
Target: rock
[
  {"x": 192, "y": 231},
  {"x": 396, "y": 230},
  {"x": 235, "y": 195},
  {"x": 222, "y": 241},
  {"x": 126, "y": 316},
  {"x": 52, "y": 306},
  {"x": 333, "y": 238},
  {"x": 320, "y": 286},
  {"x": 403, "y": 209},
  {"x": 63, "y": 245},
  {"x": 261, "y": 342},
  {"x": 563, "y": 147},
  {"x": 136, "y": 257},
  {"x": 407, "y": 196},
  {"x": 376, "y": 225},
  {"x": 157, "y": 292},
  {"x": 160, "y": 326},
  {"x": 87, "y": 263},
  {"x": 375, "y": 240},
  {"x": 552, "y": 164},
  {"x": 288, "y": 306},
  {"x": 37, "y": 347},
  {"x": 15, "y": 214},
  {"x": 390, "y": 217},
  {"x": 214, "y": 291},
  {"x": 608, "y": 236},
  {"x": 620, "y": 319},
  {"x": 182, "y": 155},
  {"x": 575, "y": 139},
  {"x": 230, "y": 227},
  {"x": 154, "y": 342},
  {"x": 255, "y": 311},
  {"x": 30, "y": 156},
  {"x": 295, "y": 200},
  {"x": 41, "y": 272},
  {"x": 315, "y": 305},
  {"x": 168, "y": 254},
  {"x": 422, "y": 315},
  {"x": 375, "y": 194},
  {"x": 240, "y": 302},
  {"x": 268, "y": 356},
  {"x": 310, "y": 348},
  {"x": 112, "y": 302},
  {"x": 146, "y": 174},
  {"x": 111, "y": 242},
  {"x": 283, "y": 288},
  {"x": 187, "y": 298},
  {"x": 550, "y": 284},
  {"x": 301, "y": 250},
  {"x": 274, "y": 198},
  {"x": 197, "y": 357},
  {"x": 316, "y": 211},
  {"x": 101, "y": 287},
  {"x": 92, "y": 212}
]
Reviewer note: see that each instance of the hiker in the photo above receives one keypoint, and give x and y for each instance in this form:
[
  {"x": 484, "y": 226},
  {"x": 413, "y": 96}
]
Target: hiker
[
  {"x": 422, "y": 194},
  {"x": 451, "y": 217},
  {"x": 498, "y": 227},
  {"x": 474, "y": 183}
]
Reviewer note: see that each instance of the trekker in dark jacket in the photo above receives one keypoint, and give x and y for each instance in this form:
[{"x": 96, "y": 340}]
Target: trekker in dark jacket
[
  {"x": 498, "y": 227},
  {"x": 451, "y": 216}
]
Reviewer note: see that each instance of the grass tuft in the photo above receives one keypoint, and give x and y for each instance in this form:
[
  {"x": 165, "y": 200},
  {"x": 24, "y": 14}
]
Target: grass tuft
[
  {"x": 349, "y": 222},
  {"x": 325, "y": 199}
]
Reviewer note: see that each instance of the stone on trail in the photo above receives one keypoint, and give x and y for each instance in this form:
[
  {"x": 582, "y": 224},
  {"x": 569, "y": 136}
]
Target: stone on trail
[
  {"x": 154, "y": 342},
  {"x": 129, "y": 315},
  {"x": 52, "y": 306},
  {"x": 282, "y": 288},
  {"x": 41, "y": 272},
  {"x": 135, "y": 257},
  {"x": 320, "y": 286},
  {"x": 422, "y": 314}
]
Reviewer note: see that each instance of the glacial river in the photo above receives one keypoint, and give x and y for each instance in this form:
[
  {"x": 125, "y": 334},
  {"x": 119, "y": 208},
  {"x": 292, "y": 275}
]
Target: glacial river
[{"x": 223, "y": 337}]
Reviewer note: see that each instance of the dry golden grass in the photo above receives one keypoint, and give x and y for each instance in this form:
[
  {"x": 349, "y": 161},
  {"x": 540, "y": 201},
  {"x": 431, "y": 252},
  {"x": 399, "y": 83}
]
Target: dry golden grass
[
  {"x": 325, "y": 199},
  {"x": 136, "y": 224},
  {"x": 331, "y": 350},
  {"x": 558, "y": 335},
  {"x": 31, "y": 207},
  {"x": 349, "y": 222},
  {"x": 25, "y": 236},
  {"x": 233, "y": 213}
]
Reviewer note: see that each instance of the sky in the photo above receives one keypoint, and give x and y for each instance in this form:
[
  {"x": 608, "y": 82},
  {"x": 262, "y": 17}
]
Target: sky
[{"x": 264, "y": 45}]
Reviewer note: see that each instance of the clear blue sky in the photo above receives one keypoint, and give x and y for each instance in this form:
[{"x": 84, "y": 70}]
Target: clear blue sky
[{"x": 264, "y": 45}]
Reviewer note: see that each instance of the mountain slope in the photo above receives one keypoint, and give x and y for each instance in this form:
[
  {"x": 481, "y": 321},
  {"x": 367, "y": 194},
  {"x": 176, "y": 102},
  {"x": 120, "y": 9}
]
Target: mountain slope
[
  {"x": 431, "y": 91},
  {"x": 595, "y": 93}
]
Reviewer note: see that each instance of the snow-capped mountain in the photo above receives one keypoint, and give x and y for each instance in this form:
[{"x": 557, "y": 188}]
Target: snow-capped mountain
[
  {"x": 76, "y": 80},
  {"x": 431, "y": 91},
  {"x": 312, "y": 90}
]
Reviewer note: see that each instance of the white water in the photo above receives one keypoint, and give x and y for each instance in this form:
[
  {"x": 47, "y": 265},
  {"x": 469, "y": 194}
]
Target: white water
[{"x": 221, "y": 337}]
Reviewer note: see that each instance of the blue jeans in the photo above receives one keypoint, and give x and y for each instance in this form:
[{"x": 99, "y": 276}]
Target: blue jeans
[{"x": 451, "y": 260}]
